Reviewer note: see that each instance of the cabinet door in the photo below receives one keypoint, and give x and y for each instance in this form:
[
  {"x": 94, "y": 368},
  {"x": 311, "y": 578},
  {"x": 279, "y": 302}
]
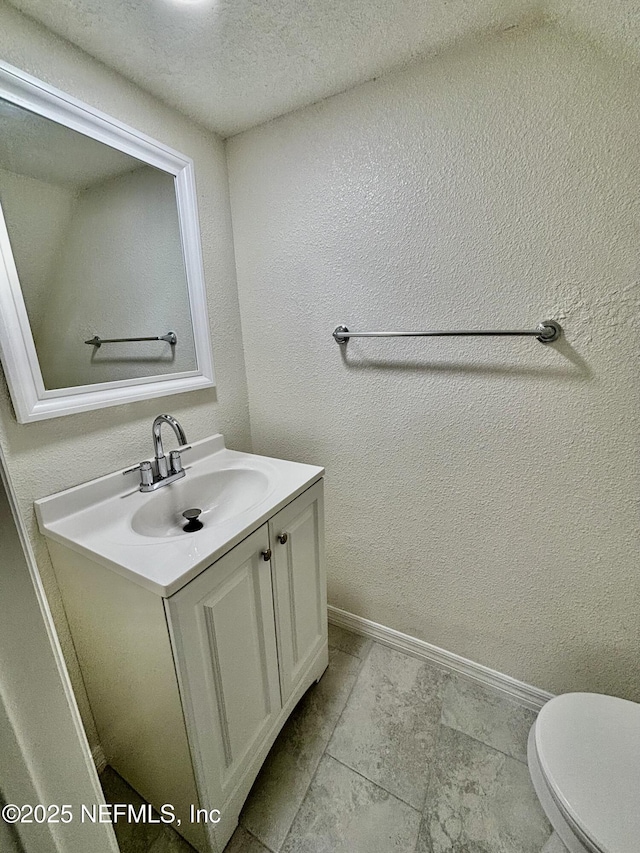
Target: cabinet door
[
  {"x": 222, "y": 626},
  {"x": 299, "y": 584}
]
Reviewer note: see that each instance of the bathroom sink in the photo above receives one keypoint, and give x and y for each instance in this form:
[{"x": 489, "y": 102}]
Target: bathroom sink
[
  {"x": 220, "y": 495},
  {"x": 140, "y": 534}
]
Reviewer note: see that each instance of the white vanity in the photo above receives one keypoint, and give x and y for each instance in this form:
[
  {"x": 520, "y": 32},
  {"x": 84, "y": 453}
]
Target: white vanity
[{"x": 194, "y": 647}]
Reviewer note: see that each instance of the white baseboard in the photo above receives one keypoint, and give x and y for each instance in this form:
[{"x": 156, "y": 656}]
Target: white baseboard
[
  {"x": 525, "y": 694},
  {"x": 99, "y": 758}
]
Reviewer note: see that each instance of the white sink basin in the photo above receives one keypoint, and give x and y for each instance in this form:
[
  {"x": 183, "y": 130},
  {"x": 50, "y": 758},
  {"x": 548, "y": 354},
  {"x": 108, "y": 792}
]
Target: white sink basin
[
  {"x": 139, "y": 534},
  {"x": 220, "y": 495}
]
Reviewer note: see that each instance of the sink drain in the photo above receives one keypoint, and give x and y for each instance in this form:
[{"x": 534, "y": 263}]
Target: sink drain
[{"x": 193, "y": 522}]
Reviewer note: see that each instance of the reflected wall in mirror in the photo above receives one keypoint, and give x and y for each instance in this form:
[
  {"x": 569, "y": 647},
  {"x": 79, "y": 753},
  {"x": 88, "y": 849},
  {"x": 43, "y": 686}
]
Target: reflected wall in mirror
[{"x": 99, "y": 237}]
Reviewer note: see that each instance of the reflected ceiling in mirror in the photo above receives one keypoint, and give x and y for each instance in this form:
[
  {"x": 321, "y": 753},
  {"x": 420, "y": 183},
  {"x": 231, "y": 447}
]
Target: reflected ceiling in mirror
[{"x": 99, "y": 238}]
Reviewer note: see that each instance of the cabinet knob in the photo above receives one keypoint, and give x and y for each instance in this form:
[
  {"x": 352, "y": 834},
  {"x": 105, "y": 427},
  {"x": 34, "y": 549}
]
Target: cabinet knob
[
  {"x": 282, "y": 538},
  {"x": 266, "y": 555}
]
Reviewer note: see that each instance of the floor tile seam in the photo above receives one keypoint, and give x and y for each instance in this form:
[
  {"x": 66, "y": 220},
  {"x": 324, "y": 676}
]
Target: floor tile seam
[
  {"x": 436, "y": 751},
  {"x": 346, "y": 701},
  {"x": 312, "y": 775},
  {"x": 370, "y": 781},
  {"x": 344, "y": 652},
  {"x": 501, "y": 695},
  {"x": 154, "y": 843},
  {"x": 255, "y": 838},
  {"x": 445, "y": 671},
  {"x": 373, "y": 782},
  {"x": 428, "y": 772},
  {"x": 324, "y": 751},
  {"x": 395, "y": 796},
  {"x": 484, "y": 743},
  {"x": 499, "y": 752},
  {"x": 261, "y": 841},
  {"x": 297, "y": 811},
  {"x": 370, "y": 646},
  {"x": 367, "y": 652},
  {"x": 432, "y": 786},
  {"x": 314, "y": 769},
  {"x": 416, "y": 850},
  {"x": 428, "y": 812},
  {"x": 438, "y": 666},
  {"x": 340, "y": 761}
]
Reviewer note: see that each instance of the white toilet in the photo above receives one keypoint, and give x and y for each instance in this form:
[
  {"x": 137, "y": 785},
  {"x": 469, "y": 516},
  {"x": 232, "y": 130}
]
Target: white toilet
[{"x": 584, "y": 761}]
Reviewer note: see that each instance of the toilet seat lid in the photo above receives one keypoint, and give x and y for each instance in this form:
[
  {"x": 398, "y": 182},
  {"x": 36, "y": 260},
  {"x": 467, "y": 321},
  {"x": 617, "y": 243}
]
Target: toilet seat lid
[{"x": 588, "y": 746}]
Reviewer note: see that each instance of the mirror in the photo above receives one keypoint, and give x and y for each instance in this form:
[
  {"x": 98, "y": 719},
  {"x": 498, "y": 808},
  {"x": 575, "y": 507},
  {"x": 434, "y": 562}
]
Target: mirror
[{"x": 101, "y": 288}]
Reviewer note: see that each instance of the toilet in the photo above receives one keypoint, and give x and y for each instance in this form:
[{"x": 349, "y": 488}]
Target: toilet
[{"x": 584, "y": 760}]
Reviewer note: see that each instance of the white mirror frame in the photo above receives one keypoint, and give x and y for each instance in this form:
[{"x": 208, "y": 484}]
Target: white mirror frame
[{"x": 32, "y": 402}]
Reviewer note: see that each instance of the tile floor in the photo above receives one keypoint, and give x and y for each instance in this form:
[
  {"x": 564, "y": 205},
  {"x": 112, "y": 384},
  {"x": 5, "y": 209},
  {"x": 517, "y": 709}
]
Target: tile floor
[{"x": 387, "y": 754}]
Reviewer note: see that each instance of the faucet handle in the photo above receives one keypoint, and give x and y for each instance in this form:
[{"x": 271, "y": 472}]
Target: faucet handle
[
  {"x": 175, "y": 462},
  {"x": 146, "y": 472}
]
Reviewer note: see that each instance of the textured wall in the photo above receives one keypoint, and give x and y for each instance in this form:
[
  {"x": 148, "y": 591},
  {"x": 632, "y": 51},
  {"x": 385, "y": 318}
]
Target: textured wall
[
  {"x": 613, "y": 26},
  {"x": 35, "y": 213},
  {"x": 50, "y": 455},
  {"x": 481, "y": 493}
]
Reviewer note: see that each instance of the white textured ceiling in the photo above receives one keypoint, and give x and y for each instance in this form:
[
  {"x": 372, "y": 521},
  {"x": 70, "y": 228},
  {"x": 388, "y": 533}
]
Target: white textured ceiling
[{"x": 231, "y": 64}]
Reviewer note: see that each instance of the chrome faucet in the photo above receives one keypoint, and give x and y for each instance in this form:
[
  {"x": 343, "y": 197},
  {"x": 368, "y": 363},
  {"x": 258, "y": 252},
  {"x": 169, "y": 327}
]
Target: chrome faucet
[
  {"x": 159, "y": 473},
  {"x": 161, "y": 460}
]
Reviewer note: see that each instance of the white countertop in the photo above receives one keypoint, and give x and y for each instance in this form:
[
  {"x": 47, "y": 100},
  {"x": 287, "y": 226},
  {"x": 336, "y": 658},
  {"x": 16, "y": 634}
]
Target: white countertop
[{"x": 95, "y": 518}]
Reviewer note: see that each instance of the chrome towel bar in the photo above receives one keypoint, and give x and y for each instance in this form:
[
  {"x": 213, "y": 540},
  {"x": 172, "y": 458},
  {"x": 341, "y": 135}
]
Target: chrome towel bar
[
  {"x": 546, "y": 332},
  {"x": 170, "y": 338}
]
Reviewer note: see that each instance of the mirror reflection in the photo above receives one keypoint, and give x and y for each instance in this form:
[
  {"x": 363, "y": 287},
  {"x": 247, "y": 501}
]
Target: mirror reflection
[{"x": 96, "y": 240}]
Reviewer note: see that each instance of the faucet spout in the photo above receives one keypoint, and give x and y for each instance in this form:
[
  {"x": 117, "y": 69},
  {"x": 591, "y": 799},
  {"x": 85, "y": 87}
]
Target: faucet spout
[{"x": 161, "y": 462}]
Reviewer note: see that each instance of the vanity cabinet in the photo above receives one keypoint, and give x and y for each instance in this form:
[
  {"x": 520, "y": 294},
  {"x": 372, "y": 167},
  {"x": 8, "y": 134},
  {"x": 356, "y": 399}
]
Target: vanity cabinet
[
  {"x": 299, "y": 586},
  {"x": 190, "y": 691}
]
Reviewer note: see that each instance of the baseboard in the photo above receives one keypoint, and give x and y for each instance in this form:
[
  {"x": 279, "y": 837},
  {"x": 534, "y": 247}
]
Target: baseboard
[
  {"x": 531, "y": 697},
  {"x": 99, "y": 758}
]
